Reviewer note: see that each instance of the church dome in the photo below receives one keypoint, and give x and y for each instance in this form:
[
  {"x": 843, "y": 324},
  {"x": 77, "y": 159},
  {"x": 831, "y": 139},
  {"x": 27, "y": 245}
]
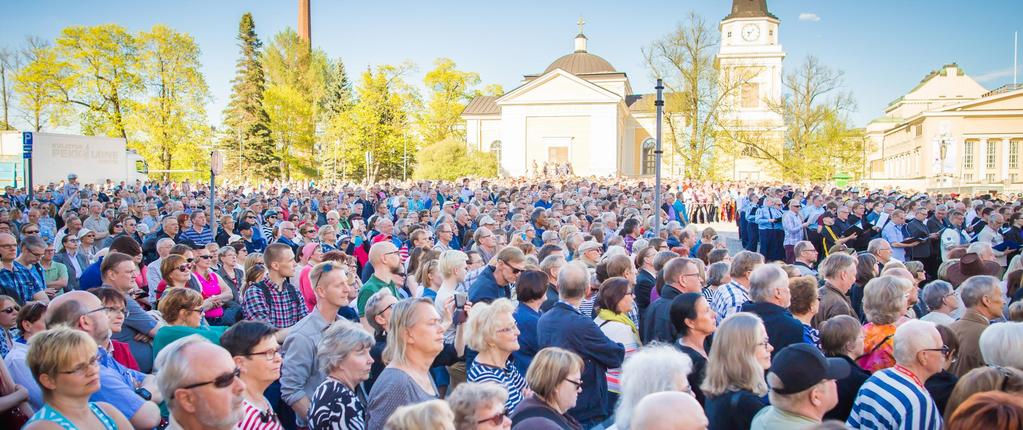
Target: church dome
[{"x": 581, "y": 62}]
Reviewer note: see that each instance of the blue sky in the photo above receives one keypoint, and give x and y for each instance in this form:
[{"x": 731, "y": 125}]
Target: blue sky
[{"x": 883, "y": 47}]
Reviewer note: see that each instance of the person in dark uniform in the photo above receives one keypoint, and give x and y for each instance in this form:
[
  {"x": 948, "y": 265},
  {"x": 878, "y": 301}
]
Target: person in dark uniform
[{"x": 772, "y": 235}]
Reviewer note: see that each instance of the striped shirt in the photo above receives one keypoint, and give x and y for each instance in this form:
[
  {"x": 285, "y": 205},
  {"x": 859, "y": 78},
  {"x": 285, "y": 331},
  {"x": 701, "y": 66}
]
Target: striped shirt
[
  {"x": 198, "y": 238},
  {"x": 728, "y": 299},
  {"x": 891, "y": 399},
  {"x": 509, "y": 378},
  {"x": 256, "y": 419}
]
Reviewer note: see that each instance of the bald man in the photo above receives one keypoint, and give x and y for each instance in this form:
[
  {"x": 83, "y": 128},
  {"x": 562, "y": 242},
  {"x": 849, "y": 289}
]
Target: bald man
[
  {"x": 669, "y": 410},
  {"x": 386, "y": 261}
]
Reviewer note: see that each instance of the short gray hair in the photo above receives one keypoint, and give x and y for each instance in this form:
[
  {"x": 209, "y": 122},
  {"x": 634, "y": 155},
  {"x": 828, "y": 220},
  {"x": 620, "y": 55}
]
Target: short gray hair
[
  {"x": 551, "y": 262},
  {"x": 371, "y": 308},
  {"x": 652, "y": 369},
  {"x": 573, "y": 279},
  {"x": 1000, "y": 344},
  {"x": 974, "y": 288},
  {"x": 716, "y": 272},
  {"x": 910, "y": 338},
  {"x": 874, "y": 245},
  {"x": 765, "y": 280},
  {"x": 173, "y": 368},
  {"x": 340, "y": 340},
  {"x": 935, "y": 292}
]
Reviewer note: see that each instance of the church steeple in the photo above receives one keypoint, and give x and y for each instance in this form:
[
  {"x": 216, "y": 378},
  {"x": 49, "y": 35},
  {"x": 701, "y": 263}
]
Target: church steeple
[
  {"x": 580, "y": 39},
  {"x": 750, "y": 9}
]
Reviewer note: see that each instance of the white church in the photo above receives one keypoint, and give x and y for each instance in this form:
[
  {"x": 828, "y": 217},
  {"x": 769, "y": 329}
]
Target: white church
[{"x": 582, "y": 111}]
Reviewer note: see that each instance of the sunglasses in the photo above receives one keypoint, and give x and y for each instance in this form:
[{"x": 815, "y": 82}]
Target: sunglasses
[
  {"x": 496, "y": 419},
  {"x": 222, "y": 381},
  {"x": 183, "y": 268},
  {"x": 31, "y": 231},
  {"x": 11, "y": 310},
  {"x": 206, "y": 257}
]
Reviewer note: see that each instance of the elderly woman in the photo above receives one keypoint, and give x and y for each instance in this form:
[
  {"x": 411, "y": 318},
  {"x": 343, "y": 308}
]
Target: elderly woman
[
  {"x": 378, "y": 316},
  {"x": 415, "y": 339},
  {"x": 253, "y": 344},
  {"x": 554, "y": 377},
  {"x": 328, "y": 238},
  {"x": 653, "y": 369},
  {"x": 981, "y": 379},
  {"x": 613, "y": 305},
  {"x": 940, "y": 298},
  {"x": 491, "y": 330},
  {"x": 343, "y": 356},
  {"x": 739, "y": 356},
  {"x": 842, "y": 337},
  {"x": 884, "y": 304},
  {"x": 805, "y": 304},
  {"x": 64, "y": 363},
  {"x": 479, "y": 407},
  {"x": 695, "y": 321},
  {"x": 182, "y": 311},
  {"x": 718, "y": 274},
  {"x": 1000, "y": 345},
  {"x": 233, "y": 278}
]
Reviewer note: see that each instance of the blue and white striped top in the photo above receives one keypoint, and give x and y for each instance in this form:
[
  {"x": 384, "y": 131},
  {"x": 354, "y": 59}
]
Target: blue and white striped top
[
  {"x": 728, "y": 299},
  {"x": 892, "y": 400},
  {"x": 509, "y": 377}
]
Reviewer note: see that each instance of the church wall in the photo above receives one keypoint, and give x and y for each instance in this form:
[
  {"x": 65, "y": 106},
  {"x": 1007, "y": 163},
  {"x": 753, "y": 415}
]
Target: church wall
[{"x": 529, "y": 130}]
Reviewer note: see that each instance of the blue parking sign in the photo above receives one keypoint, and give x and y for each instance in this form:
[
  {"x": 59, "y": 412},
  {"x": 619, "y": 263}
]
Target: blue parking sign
[{"x": 26, "y": 145}]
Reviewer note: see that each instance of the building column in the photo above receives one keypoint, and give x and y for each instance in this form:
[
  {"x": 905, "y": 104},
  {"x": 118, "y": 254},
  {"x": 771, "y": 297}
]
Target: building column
[
  {"x": 982, "y": 161},
  {"x": 1003, "y": 170}
]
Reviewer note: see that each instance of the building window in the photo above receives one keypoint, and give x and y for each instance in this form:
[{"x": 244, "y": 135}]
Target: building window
[
  {"x": 495, "y": 148},
  {"x": 990, "y": 178},
  {"x": 992, "y": 147},
  {"x": 1014, "y": 154},
  {"x": 968, "y": 177},
  {"x": 750, "y": 94},
  {"x": 649, "y": 158},
  {"x": 968, "y": 154}
]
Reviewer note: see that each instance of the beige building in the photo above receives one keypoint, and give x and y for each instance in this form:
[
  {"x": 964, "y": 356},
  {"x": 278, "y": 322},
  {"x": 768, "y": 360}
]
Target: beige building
[{"x": 949, "y": 134}]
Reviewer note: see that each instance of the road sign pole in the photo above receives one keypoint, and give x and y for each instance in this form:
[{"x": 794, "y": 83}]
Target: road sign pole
[{"x": 26, "y": 155}]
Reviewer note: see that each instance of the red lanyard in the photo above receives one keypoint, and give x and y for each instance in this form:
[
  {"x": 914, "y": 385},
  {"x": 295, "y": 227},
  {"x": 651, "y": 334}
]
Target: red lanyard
[{"x": 909, "y": 373}]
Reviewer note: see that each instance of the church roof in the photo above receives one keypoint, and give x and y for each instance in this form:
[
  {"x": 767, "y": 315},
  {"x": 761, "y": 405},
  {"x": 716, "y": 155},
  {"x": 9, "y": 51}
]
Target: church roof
[
  {"x": 750, "y": 9},
  {"x": 482, "y": 105},
  {"x": 579, "y": 63}
]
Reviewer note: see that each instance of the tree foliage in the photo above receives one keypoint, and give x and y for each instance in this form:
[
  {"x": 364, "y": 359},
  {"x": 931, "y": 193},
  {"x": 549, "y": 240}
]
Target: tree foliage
[
  {"x": 247, "y": 142},
  {"x": 450, "y": 90},
  {"x": 451, "y": 159},
  {"x": 38, "y": 86}
]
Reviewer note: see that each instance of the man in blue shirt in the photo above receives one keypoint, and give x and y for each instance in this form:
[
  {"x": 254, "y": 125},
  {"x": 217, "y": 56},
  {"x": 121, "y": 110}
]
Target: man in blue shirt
[{"x": 17, "y": 280}]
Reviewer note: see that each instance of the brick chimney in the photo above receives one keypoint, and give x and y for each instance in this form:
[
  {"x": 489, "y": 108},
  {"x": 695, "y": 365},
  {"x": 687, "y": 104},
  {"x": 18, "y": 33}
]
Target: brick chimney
[{"x": 303, "y": 21}]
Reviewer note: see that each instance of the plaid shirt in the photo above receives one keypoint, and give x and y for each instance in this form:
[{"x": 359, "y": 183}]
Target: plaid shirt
[
  {"x": 20, "y": 282},
  {"x": 285, "y": 304},
  {"x": 728, "y": 299}
]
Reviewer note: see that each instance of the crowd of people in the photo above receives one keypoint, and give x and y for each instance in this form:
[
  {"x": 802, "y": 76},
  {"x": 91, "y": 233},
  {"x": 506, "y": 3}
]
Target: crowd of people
[{"x": 513, "y": 303}]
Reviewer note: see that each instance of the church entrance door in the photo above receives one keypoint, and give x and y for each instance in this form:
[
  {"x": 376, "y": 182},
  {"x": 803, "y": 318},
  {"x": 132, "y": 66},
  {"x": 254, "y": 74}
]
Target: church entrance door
[{"x": 557, "y": 154}]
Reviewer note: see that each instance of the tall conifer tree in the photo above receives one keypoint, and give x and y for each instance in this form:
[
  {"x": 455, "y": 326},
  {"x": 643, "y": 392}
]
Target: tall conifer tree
[{"x": 248, "y": 138}]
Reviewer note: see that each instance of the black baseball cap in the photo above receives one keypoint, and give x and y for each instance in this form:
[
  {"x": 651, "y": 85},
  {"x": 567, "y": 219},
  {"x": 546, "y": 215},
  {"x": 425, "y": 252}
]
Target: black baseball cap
[{"x": 802, "y": 366}]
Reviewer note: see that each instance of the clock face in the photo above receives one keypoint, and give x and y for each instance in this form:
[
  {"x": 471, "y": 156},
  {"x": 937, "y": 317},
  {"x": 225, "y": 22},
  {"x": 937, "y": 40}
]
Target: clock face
[{"x": 750, "y": 32}]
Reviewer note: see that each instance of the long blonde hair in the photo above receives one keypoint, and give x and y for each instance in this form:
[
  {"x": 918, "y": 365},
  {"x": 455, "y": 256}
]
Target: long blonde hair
[
  {"x": 403, "y": 316},
  {"x": 731, "y": 366}
]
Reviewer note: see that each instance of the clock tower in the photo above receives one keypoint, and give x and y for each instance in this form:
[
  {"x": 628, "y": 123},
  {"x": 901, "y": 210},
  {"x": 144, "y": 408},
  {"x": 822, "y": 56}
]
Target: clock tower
[{"x": 750, "y": 62}]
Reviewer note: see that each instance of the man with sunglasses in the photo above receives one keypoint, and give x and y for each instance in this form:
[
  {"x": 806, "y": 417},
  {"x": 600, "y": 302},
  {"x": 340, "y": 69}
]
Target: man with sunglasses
[
  {"x": 201, "y": 384},
  {"x": 131, "y": 392},
  {"x": 494, "y": 281},
  {"x": 16, "y": 279}
]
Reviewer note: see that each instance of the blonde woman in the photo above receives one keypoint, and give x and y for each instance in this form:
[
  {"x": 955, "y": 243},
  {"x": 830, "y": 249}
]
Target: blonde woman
[
  {"x": 428, "y": 277},
  {"x": 63, "y": 363},
  {"x": 735, "y": 383},
  {"x": 491, "y": 330},
  {"x": 430, "y": 415},
  {"x": 554, "y": 377}
]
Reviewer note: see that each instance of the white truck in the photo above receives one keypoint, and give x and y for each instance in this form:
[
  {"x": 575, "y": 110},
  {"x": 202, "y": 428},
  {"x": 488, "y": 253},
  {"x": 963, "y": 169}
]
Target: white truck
[{"x": 54, "y": 156}]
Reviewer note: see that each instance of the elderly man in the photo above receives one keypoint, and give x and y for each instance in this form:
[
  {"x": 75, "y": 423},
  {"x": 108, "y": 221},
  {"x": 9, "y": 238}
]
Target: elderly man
[
  {"x": 286, "y": 233},
  {"x": 729, "y": 298},
  {"x": 681, "y": 275},
  {"x": 881, "y": 250},
  {"x": 118, "y": 271},
  {"x": 550, "y": 266},
  {"x": 895, "y": 398},
  {"x": 97, "y": 222},
  {"x": 133, "y": 393},
  {"x": 495, "y": 281},
  {"x": 445, "y": 236},
  {"x": 386, "y": 261},
  {"x": 565, "y": 327},
  {"x": 200, "y": 382},
  {"x": 839, "y": 272},
  {"x": 669, "y": 410},
  {"x": 991, "y": 234},
  {"x": 805, "y": 258},
  {"x": 300, "y": 373},
  {"x": 770, "y": 299},
  {"x": 17, "y": 280},
  {"x": 803, "y": 388},
  {"x": 895, "y": 234},
  {"x": 153, "y": 275},
  {"x": 485, "y": 243},
  {"x": 983, "y": 300},
  {"x": 794, "y": 227},
  {"x": 954, "y": 236}
]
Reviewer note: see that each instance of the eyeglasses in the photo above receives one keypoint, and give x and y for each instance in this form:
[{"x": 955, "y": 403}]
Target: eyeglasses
[
  {"x": 496, "y": 419},
  {"x": 944, "y": 350},
  {"x": 514, "y": 269},
  {"x": 11, "y": 310},
  {"x": 509, "y": 329},
  {"x": 117, "y": 311},
  {"x": 82, "y": 368},
  {"x": 765, "y": 343},
  {"x": 222, "y": 381},
  {"x": 269, "y": 354},
  {"x": 206, "y": 257},
  {"x": 384, "y": 309},
  {"x": 578, "y": 384}
]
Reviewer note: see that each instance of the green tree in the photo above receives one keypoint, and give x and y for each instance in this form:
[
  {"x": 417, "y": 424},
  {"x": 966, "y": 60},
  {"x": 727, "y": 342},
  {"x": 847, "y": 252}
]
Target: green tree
[
  {"x": 171, "y": 122},
  {"x": 104, "y": 76},
  {"x": 337, "y": 100},
  {"x": 297, "y": 77},
  {"x": 378, "y": 142},
  {"x": 450, "y": 90},
  {"x": 452, "y": 159},
  {"x": 37, "y": 86},
  {"x": 247, "y": 142}
]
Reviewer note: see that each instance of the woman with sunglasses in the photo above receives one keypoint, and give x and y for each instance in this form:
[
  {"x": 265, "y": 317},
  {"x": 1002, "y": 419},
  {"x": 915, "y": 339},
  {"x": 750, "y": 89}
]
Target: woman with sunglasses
[
  {"x": 479, "y": 407},
  {"x": 64, "y": 363},
  {"x": 176, "y": 272},
  {"x": 554, "y": 376},
  {"x": 214, "y": 292},
  {"x": 182, "y": 310},
  {"x": 8, "y": 318},
  {"x": 253, "y": 344},
  {"x": 115, "y": 229}
]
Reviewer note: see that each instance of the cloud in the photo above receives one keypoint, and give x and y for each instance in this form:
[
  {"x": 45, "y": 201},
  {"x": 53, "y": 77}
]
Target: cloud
[
  {"x": 809, "y": 17},
  {"x": 994, "y": 75}
]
